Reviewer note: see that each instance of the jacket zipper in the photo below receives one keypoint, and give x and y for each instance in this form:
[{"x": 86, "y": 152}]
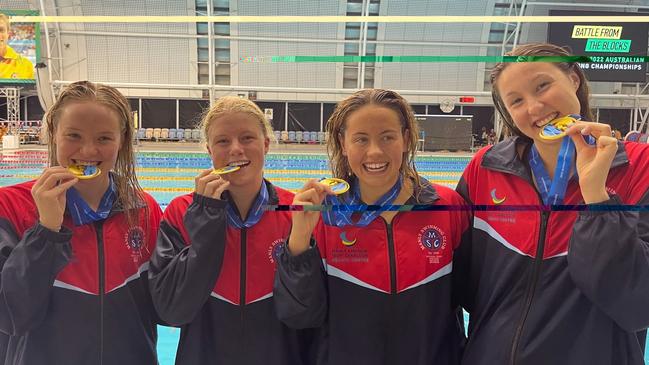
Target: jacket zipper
[
  {"x": 102, "y": 286},
  {"x": 531, "y": 288},
  {"x": 242, "y": 278},
  {"x": 393, "y": 259},
  {"x": 390, "y": 355}
]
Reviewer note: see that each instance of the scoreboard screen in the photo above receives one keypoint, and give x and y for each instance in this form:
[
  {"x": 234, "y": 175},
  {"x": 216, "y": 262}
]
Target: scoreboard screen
[{"x": 615, "y": 49}]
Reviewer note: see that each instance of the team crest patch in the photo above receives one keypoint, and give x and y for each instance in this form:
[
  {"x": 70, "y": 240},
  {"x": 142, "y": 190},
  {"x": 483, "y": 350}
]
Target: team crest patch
[
  {"x": 274, "y": 249},
  {"x": 135, "y": 242},
  {"x": 432, "y": 241}
]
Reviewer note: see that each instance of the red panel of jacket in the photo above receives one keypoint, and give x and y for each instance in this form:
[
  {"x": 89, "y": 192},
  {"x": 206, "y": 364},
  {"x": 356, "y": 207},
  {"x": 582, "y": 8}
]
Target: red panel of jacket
[
  {"x": 422, "y": 243},
  {"x": 262, "y": 241},
  {"x": 125, "y": 255},
  {"x": 520, "y": 229}
]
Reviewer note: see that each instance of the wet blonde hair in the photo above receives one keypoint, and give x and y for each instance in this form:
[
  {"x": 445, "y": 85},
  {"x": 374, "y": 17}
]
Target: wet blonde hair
[
  {"x": 230, "y": 105},
  {"x": 540, "y": 49},
  {"x": 383, "y": 98},
  {"x": 129, "y": 192},
  {"x": 5, "y": 19}
]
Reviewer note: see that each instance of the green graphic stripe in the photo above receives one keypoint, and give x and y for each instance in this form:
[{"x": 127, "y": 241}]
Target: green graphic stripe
[{"x": 423, "y": 59}]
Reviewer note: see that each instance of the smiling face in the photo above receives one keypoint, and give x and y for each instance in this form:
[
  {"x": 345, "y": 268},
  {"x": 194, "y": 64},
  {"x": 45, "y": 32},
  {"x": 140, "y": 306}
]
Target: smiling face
[
  {"x": 374, "y": 144},
  {"x": 535, "y": 93},
  {"x": 88, "y": 133},
  {"x": 237, "y": 139}
]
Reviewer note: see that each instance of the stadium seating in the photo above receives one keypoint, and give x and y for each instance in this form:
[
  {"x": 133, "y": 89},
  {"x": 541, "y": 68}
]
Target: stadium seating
[
  {"x": 196, "y": 134},
  {"x": 188, "y": 134}
]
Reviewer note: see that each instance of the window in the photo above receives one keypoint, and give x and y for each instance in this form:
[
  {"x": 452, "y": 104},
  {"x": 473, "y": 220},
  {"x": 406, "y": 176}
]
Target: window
[{"x": 221, "y": 57}]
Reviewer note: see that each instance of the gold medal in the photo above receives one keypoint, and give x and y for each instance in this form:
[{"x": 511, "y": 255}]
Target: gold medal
[
  {"x": 84, "y": 172},
  {"x": 225, "y": 170},
  {"x": 556, "y": 129},
  {"x": 339, "y": 186}
]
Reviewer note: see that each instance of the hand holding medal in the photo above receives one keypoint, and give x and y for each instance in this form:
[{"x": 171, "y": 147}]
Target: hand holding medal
[
  {"x": 210, "y": 184},
  {"x": 593, "y": 162},
  {"x": 304, "y": 222},
  {"x": 49, "y": 193}
]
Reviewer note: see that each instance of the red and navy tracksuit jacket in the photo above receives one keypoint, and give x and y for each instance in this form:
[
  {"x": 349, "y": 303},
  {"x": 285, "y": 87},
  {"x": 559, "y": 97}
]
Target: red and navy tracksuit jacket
[
  {"x": 78, "y": 296},
  {"x": 382, "y": 292},
  {"x": 560, "y": 287},
  {"x": 216, "y": 282}
]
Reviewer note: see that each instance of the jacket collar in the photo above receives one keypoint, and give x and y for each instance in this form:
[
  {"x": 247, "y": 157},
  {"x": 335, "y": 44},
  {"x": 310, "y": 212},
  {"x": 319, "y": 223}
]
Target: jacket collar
[
  {"x": 425, "y": 193},
  {"x": 273, "y": 198},
  {"x": 117, "y": 206}
]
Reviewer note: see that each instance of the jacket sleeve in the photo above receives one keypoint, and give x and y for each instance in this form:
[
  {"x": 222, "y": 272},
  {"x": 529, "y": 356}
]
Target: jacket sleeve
[
  {"x": 153, "y": 226},
  {"x": 464, "y": 287},
  {"x": 608, "y": 259},
  {"x": 29, "y": 267},
  {"x": 300, "y": 290},
  {"x": 182, "y": 274}
]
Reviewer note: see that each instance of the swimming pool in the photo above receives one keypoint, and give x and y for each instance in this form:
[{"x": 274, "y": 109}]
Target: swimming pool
[{"x": 166, "y": 175}]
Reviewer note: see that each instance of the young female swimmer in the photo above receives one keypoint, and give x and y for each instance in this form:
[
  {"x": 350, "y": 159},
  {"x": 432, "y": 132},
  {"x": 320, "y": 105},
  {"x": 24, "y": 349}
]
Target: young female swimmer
[
  {"x": 74, "y": 249},
  {"x": 213, "y": 268},
  {"x": 555, "y": 287},
  {"x": 379, "y": 282}
]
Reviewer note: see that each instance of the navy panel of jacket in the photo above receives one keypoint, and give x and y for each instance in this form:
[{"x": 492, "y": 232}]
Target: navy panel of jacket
[
  {"x": 382, "y": 292},
  {"x": 78, "y": 296},
  {"x": 215, "y": 281},
  {"x": 559, "y": 287}
]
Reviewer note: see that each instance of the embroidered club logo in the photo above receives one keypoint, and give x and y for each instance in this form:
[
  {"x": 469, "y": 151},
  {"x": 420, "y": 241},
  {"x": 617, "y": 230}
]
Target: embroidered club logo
[
  {"x": 345, "y": 240},
  {"x": 275, "y": 249},
  {"x": 135, "y": 242},
  {"x": 495, "y": 199},
  {"x": 432, "y": 241},
  {"x": 432, "y": 238}
]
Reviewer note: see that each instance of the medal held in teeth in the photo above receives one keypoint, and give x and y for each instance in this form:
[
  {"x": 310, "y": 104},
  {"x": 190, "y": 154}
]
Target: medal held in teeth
[
  {"x": 338, "y": 186},
  {"x": 84, "y": 172},
  {"x": 225, "y": 170},
  {"x": 556, "y": 129}
]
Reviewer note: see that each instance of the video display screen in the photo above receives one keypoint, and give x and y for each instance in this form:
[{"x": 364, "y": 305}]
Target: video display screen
[
  {"x": 19, "y": 48},
  {"x": 614, "y": 48}
]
